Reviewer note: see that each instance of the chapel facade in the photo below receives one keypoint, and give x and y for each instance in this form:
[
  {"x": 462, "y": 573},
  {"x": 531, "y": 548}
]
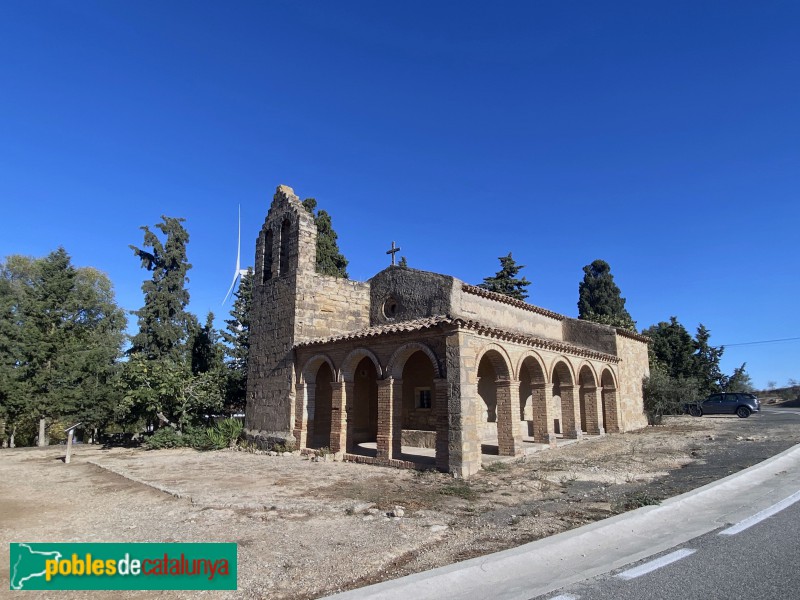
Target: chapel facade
[{"x": 413, "y": 368}]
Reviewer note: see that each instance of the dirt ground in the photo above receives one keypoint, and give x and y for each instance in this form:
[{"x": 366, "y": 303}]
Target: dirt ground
[{"x": 306, "y": 529}]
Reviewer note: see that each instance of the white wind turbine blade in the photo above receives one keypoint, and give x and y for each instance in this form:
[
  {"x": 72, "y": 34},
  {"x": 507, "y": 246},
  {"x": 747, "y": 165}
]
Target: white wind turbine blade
[{"x": 237, "y": 274}]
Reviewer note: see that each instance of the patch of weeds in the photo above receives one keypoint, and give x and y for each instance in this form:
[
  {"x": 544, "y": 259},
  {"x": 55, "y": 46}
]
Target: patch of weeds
[
  {"x": 349, "y": 511},
  {"x": 638, "y": 500},
  {"x": 496, "y": 467},
  {"x": 459, "y": 489},
  {"x": 287, "y": 447},
  {"x": 324, "y": 451}
]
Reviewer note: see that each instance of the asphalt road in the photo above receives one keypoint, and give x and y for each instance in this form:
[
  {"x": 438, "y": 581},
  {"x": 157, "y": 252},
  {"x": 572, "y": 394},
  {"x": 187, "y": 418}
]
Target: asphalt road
[{"x": 757, "y": 563}]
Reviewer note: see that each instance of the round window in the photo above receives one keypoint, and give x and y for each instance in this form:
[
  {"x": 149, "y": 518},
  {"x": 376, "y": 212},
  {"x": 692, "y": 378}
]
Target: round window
[{"x": 390, "y": 308}]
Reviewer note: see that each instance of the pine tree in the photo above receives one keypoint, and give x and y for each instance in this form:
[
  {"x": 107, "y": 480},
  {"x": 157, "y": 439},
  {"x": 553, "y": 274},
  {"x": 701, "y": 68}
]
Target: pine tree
[
  {"x": 600, "y": 299},
  {"x": 672, "y": 349},
  {"x": 61, "y": 335},
  {"x": 330, "y": 261},
  {"x": 237, "y": 338},
  {"x": 506, "y": 281},
  {"x": 706, "y": 358},
  {"x": 163, "y": 320},
  {"x": 740, "y": 381}
]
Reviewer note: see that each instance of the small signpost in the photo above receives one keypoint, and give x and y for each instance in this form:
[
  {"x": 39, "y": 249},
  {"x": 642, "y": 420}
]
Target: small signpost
[{"x": 70, "y": 434}]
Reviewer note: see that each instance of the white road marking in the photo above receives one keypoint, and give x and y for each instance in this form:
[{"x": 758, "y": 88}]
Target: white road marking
[
  {"x": 565, "y": 597},
  {"x": 656, "y": 564},
  {"x": 760, "y": 516}
]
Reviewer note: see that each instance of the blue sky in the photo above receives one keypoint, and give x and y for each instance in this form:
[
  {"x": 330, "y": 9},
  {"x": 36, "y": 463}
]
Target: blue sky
[{"x": 663, "y": 138}]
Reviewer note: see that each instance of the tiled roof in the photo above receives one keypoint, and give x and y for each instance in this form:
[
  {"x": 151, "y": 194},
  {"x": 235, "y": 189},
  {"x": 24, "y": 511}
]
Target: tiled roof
[
  {"x": 633, "y": 335},
  {"x": 492, "y": 332},
  {"x": 378, "y": 330}
]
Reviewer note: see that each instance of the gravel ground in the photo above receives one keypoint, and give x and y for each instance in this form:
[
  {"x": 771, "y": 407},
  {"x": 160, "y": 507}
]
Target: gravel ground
[{"x": 305, "y": 528}]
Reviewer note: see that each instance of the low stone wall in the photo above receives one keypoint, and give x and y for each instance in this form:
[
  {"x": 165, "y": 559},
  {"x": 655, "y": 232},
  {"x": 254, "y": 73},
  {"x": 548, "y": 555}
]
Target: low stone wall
[{"x": 419, "y": 438}]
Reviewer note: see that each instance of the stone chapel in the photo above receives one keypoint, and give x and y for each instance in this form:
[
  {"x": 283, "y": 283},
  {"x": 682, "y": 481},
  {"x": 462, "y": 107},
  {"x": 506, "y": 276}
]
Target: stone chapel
[{"x": 418, "y": 369}]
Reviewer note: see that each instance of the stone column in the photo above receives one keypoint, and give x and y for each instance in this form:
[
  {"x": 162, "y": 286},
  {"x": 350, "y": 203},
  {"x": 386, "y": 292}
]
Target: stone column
[
  {"x": 304, "y": 415},
  {"x": 570, "y": 413},
  {"x": 509, "y": 439},
  {"x": 338, "y": 417},
  {"x": 440, "y": 405},
  {"x": 591, "y": 399},
  {"x": 542, "y": 401},
  {"x": 611, "y": 412},
  {"x": 385, "y": 419}
]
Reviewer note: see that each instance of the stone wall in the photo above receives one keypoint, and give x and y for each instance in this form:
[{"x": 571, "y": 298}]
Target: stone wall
[
  {"x": 602, "y": 338},
  {"x": 511, "y": 316},
  {"x": 403, "y": 294},
  {"x": 633, "y": 368},
  {"x": 330, "y": 306}
]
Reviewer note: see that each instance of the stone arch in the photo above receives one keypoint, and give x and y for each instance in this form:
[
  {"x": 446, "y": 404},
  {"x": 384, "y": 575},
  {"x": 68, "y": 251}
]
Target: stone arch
[
  {"x": 566, "y": 417},
  {"x": 587, "y": 399},
  {"x": 532, "y": 378},
  {"x": 398, "y": 360},
  {"x": 609, "y": 401},
  {"x": 312, "y": 365},
  {"x": 349, "y": 364},
  {"x": 499, "y": 358}
]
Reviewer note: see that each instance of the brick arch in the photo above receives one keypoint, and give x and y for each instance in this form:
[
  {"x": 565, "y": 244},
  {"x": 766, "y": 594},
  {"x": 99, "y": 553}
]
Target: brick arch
[
  {"x": 524, "y": 364},
  {"x": 403, "y": 353},
  {"x": 587, "y": 368},
  {"x": 349, "y": 364},
  {"x": 499, "y": 358},
  {"x": 565, "y": 371},
  {"x": 608, "y": 378},
  {"x": 308, "y": 373}
]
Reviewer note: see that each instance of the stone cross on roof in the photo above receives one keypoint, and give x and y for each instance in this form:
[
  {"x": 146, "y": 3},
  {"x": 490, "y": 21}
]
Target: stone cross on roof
[{"x": 393, "y": 251}]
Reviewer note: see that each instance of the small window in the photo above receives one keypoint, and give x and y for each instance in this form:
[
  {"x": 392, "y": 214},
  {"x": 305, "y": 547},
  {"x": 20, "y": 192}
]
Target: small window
[
  {"x": 390, "y": 308},
  {"x": 423, "y": 396}
]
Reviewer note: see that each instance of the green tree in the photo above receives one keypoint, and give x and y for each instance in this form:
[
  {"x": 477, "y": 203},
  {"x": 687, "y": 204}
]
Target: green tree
[
  {"x": 237, "y": 338},
  {"x": 506, "y": 281},
  {"x": 740, "y": 381},
  {"x": 706, "y": 363},
  {"x": 330, "y": 261},
  {"x": 672, "y": 349},
  {"x": 666, "y": 395},
  {"x": 61, "y": 336},
  {"x": 163, "y": 320},
  {"x": 600, "y": 299}
]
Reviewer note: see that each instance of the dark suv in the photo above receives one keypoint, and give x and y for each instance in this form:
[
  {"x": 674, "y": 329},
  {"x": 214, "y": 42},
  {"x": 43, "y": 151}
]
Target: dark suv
[{"x": 726, "y": 404}]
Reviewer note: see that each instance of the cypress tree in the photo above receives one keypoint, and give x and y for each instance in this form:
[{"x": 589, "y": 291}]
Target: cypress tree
[
  {"x": 600, "y": 299},
  {"x": 330, "y": 261},
  {"x": 706, "y": 360},
  {"x": 506, "y": 281},
  {"x": 237, "y": 338},
  {"x": 163, "y": 320}
]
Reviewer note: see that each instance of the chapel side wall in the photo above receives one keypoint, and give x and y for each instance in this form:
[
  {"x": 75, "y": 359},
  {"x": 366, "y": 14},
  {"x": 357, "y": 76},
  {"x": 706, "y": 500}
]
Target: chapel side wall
[
  {"x": 633, "y": 368},
  {"x": 493, "y": 313},
  {"x": 330, "y": 306},
  {"x": 602, "y": 338}
]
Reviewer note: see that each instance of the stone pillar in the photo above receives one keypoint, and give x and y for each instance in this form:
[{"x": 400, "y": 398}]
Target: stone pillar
[
  {"x": 570, "y": 413},
  {"x": 385, "y": 419},
  {"x": 611, "y": 409},
  {"x": 509, "y": 439},
  {"x": 440, "y": 405},
  {"x": 338, "y": 417},
  {"x": 304, "y": 414},
  {"x": 542, "y": 401},
  {"x": 591, "y": 399}
]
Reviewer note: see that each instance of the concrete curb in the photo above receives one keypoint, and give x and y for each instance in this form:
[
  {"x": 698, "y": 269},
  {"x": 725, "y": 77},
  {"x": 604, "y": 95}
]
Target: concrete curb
[{"x": 549, "y": 564}]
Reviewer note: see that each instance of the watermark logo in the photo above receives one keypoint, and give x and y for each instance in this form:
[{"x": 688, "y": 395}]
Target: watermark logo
[{"x": 86, "y": 566}]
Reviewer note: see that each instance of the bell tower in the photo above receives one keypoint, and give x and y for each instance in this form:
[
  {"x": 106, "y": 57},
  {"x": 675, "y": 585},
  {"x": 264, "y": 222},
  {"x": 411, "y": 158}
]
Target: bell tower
[{"x": 284, "y": 273}]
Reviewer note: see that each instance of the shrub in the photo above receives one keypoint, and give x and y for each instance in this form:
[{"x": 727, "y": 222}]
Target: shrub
[
  {"x": 166, "y": 437},
  {"x": 665, "y": 395}
]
